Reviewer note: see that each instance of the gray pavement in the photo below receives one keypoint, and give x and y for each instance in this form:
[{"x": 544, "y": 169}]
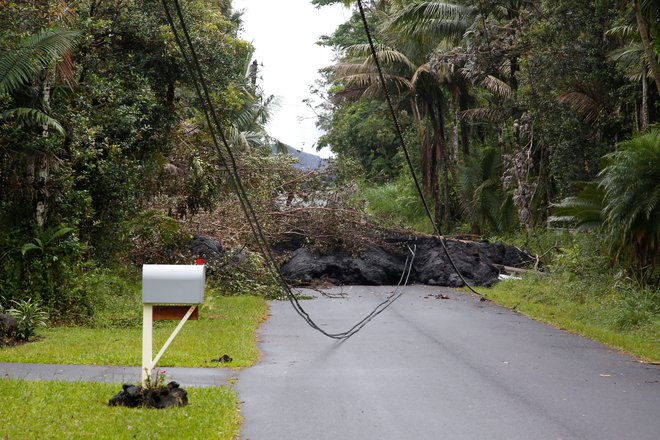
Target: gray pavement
[
  {"x": 196, "y": 377},
  {"x": 430, "y": 368}
]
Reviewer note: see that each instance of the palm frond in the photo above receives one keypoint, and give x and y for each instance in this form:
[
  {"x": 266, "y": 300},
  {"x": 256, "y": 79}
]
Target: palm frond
[
  {"x": 386, "y": 56},
  {"x": 363, "y": 50},
  {"x": 586, "y": 106},
  {"x": 430, "y": 21},
  {"x": 366, "y": 80},
  {"x": 343, "y": 70},
  {"x": 393, "y": 58},
  {"x": 18, "y": 67},
  {"x": 496, "y": 86},
  {"x": 32, "y": 117},
  {"x": 65, "y": 70},
  {"x": 622, "y": 31},
  {"x": 505, "y": 67},
  {"x": 486, "y": 114},
  {"x": 628, "y": 55},
  {"x": 585, "y": 210}
]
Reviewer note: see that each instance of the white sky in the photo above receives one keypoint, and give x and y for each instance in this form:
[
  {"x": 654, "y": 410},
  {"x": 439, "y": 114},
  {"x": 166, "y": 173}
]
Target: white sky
[{"x": 284, "y": 34}]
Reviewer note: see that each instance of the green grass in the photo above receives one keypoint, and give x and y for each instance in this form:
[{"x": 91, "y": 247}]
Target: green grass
[
  {"x": 62, "y": 410},
  {"x": 616, "y": 314},
  {"x": 227, "y": 325}
]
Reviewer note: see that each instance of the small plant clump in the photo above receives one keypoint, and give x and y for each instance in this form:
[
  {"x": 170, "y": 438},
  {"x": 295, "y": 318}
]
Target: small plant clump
[{"x": 22, "y": 321}]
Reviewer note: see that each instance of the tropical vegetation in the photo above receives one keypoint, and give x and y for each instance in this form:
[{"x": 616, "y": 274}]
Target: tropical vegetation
[
  {"x": 103, "y": 155},
  {"x": 532, "y": 122},
  {"x": 535, "y": 122},
  {"x": 510, "y": 110},
  {"x": 518, "y": 117}
]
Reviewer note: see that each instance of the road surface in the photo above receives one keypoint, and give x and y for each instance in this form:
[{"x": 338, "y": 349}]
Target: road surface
[{"x": 431, "y": 368}]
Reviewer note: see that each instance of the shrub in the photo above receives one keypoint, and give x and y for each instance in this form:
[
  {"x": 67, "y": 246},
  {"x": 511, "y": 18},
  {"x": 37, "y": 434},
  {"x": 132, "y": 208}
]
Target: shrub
[
  {"x": 636, "y": 307},
  {"x": 397, "y": 203},
  {"x": 116, "y": 297},
  {"x": 156, "y": 238},
  {"x": 30, "y": 316},
  {"x": 631, "y": 182},
  {"x": 50, "y": 267},
  {"x": 243, "y": 273}
]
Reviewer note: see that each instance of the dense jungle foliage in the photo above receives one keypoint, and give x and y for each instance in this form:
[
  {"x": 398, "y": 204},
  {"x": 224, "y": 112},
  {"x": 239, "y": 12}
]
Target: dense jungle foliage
[
  {"x": 519, "y": 116},
  {"x": 509, "y": 108}
]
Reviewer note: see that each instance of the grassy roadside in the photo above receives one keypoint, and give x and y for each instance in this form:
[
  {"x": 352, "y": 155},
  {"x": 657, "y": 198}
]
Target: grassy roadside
[
  {"x": 51, "y": 410},
  {"x": 227, "y": 325},
  {"x": 616, "y": 314}
]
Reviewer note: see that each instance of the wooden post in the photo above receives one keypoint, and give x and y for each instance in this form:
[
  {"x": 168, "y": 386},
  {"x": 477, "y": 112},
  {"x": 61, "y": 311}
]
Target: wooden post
[
  {"x": 173, "y": 335},
  {"x": 148, "y": 362},
  {"x": 147, "y": 341}
]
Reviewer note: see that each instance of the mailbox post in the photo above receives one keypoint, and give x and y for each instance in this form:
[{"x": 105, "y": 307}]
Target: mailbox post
[{"x": 167, "y": 286}]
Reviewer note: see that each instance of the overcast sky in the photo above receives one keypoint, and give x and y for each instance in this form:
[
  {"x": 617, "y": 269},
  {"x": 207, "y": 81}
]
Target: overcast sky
[{"x": 284, "y": 34}]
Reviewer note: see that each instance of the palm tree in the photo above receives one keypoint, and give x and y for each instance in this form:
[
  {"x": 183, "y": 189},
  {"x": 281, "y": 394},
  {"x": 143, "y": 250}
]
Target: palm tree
[
  {"x": 623, "y": 202},
  {"x": 23, "y": 68},
  {"x": 484, "y": 201},
  {"x": 26, "y": 75},
  {"x": 407, "y": 71},
  {"x": 420, "y": 89},
  {"x": 646, "y": 13},
  {"x": 429, "y": 31},
  {"x": 638, "y": 58},
  {"x": 631, "y": 183},
  {"x": 248, "y": 125}
]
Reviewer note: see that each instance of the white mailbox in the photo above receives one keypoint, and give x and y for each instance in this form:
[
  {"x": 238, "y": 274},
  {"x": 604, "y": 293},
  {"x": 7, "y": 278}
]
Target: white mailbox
[{"x": 172, "y": 284}]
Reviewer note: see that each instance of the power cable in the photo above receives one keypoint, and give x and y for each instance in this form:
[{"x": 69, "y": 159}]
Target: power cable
[
  {"x": 209, "y": 112},
  {"x": 201, "y": 89},
  {"x": 397, "y": 128}
]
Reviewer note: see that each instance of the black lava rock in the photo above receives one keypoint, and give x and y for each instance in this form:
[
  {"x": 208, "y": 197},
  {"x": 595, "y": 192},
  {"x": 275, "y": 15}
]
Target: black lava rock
[
  {"x": 168, "y": 396},
  {"x": 8, "y": 326},
  {"x": 378, "y": 265},
  {"x": 206, "y": 247}
]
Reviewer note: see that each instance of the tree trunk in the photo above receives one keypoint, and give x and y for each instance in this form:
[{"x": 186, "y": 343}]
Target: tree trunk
[
  {"x": 455, "y": 139},
  {"x": 465, "y": 133},
  {"x": 169, "y": 95},
  {"x": 446, "y": 193},
  {"x": 429, "y": 165},
  {"x": 643, "y": 29},
  {"x": 644, "y": 111}
]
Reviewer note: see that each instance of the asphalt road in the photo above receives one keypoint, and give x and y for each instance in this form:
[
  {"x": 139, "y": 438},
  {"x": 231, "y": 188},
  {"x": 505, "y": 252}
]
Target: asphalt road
[
  {"x": 431, "y": 368},
  {"x": 196, "y": 377}
]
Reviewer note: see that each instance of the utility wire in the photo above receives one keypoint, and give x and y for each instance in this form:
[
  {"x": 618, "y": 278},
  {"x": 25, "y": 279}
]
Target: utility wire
[
  {"x": 209, "y": 112},
  {"x": 397, "y": 128},
  {"x": 215, "y": 127}
]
